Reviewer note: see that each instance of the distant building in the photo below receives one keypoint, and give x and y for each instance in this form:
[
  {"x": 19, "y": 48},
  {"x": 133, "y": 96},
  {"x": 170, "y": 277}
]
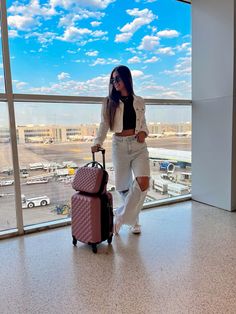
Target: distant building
[
  {"x": 4, "y": 135},
  {"x": 54, "y": 133},
  {"x": 83, "y": 132}
]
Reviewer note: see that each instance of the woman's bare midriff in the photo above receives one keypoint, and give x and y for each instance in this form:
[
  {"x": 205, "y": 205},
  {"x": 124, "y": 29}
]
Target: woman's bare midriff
[{"x": 126, "y": 133}]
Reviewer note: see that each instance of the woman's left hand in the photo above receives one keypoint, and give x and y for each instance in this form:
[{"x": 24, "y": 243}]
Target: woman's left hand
[{"x": 141, "y": 136}]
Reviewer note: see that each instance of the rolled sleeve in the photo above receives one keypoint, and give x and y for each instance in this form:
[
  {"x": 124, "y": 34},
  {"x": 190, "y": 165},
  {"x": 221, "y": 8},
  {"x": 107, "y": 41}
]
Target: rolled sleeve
[
  {"x": 143, "y": 124},
  {"x": 103, "y": 127}
]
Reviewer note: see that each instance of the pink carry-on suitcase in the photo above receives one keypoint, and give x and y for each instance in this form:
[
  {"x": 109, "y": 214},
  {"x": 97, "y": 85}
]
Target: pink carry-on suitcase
[{"x": 92, "y": 207}]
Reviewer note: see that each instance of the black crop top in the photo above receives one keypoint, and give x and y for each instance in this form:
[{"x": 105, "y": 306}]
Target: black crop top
[{"x": 129, "y": 117}]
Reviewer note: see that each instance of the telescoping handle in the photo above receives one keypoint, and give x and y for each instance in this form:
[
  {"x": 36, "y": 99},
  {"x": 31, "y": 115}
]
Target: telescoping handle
[{"x": 102, "y": 150}]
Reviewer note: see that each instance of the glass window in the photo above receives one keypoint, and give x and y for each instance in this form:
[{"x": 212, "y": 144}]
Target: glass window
[
  {"x": 70, "y": 47},
  {"x": 51, "y": 147},
  {"x": 169, "y": 145},
  {"x": 7, "y": 199}
]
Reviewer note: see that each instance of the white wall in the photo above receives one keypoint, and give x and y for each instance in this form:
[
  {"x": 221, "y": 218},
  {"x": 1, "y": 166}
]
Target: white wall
[{"x": 213, "y": 148}]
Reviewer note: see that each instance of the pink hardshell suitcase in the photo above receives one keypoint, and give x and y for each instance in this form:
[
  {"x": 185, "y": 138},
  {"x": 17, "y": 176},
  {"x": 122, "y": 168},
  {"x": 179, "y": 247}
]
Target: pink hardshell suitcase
[{"x": 92, "y": 207}]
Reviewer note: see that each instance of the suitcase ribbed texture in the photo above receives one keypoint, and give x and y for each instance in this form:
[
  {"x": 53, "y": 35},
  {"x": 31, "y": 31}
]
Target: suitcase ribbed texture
[
  {"x": 86, "y": 218},
  {"x": 89, "y": 179}
]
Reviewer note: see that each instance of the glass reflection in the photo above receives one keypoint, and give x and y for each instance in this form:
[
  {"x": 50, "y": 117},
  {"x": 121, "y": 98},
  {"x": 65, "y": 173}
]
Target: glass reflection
[{"x": 50, "y": 152}]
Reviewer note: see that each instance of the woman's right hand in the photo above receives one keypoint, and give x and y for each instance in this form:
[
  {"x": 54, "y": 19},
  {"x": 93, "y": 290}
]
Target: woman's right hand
[{"x": 95, "y": 148}]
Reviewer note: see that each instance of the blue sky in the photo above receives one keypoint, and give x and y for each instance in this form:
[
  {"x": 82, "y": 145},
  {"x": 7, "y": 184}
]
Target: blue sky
[{"x": 69, "y": 47}]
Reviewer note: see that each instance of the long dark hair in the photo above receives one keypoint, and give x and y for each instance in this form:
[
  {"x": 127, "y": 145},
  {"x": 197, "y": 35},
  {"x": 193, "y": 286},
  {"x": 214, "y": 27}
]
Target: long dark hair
[{"x": 114, "y": 95}]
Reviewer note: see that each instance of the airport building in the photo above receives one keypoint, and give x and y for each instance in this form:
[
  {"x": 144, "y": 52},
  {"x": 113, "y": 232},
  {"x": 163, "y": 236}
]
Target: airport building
[{"x": 59, "y": 134}]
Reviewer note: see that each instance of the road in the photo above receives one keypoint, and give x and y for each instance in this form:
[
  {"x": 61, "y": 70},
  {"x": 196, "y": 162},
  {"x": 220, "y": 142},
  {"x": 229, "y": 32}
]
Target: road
[{"x": 78, "y": 152}]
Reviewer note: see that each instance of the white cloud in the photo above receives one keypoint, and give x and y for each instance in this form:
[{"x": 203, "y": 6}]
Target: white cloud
[
  {"x": 159, "y": 91},
  {"x": 143, "y": 17},
  {"x": 76, "y": 87},
  {"x": 91, "y": 53},
  {"x": 151, "y": 60},
  {"x": 73, "y": 34},
  {"x": 21, "y": 85},
  {"x": 154, "y": 87},
  {"x": 132, "y": 50},
  {"x": 22, "y": 22},
  {"x": 168, "y": 33},
  {"x": 80, "y": 61},
  {"x": 101, "y": 4},
  {"x": 123, "y": 37},
  {"x": 32, "y": 9},
  {"x": 145, "y": 1},
  {"x": 43, "y": 38},
  {"x": 136, "y": 73},
  {"x": 102, "y": 61},
  {"x": 135, "y": 59},
  {"x": 182, "y": 84},
  {"x": 84, "y": 42},
  {"x": 71, "y": 52},
  {"x": 95, "y": 23},
  {"x": 149, "y": 43},
  {"x": 25, "y": 17},
  {"x": 90, "y": 87},
  {"x": 185, "y": 47},
  {"x": 172, "y": 94},
  {"x": 98, "y": 33},
  {"x": 189, "y": 52},
  {"x": 166, "y": 51},
  {"x": 183, "y": 67},
  {"x": 153, "y": 29},
  {"x": 80, "y": 14},
  {"x": 63, "y": 76},
  {"x": 13, "y": 33}
]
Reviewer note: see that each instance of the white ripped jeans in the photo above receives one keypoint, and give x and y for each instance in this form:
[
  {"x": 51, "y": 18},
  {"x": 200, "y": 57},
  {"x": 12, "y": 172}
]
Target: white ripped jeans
[{"x": 130, "y": 160}]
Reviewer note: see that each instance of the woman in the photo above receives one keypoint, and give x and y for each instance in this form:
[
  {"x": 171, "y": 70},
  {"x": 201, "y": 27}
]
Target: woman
[{"x": 124, "y": 113}]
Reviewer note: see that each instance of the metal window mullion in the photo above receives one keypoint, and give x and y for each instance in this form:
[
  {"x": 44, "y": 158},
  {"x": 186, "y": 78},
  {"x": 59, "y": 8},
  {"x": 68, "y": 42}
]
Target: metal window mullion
[
  {"x": 9, "y": 97},
  {"x": 90, "y": 99}
]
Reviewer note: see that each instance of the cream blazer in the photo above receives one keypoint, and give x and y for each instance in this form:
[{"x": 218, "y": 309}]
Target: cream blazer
[{"x": 139, "y": 107}]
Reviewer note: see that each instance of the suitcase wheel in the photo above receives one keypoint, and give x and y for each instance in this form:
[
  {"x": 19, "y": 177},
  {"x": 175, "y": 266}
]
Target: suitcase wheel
[
  {"x": 74, "y": 241},
  {"x": 94, "y": 248},
  {"x": 109, "y": 240}
]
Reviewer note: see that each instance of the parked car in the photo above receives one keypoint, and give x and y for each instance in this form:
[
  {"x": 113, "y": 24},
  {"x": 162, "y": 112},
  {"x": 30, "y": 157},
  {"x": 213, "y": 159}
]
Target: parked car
[
  {"x": 34, "y": 201},
  {"x": 36, "y": 180},
  {"x": 6, "y": 182},
  {"x": 24, "y": 174}
]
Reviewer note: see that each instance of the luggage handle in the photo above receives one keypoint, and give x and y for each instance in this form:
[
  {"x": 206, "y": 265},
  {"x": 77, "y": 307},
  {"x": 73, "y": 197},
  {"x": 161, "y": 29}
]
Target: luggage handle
[
  {"x": 102, "y": 150},
  {"x": 94, "y": 164}
]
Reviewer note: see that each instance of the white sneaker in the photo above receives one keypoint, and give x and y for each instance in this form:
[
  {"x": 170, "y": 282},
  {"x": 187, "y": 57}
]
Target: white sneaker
[{"x": 136, "y": 229}]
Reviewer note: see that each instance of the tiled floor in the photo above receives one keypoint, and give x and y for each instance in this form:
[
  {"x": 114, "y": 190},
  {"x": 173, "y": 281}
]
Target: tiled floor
[{"x": 184, "y": 262}]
